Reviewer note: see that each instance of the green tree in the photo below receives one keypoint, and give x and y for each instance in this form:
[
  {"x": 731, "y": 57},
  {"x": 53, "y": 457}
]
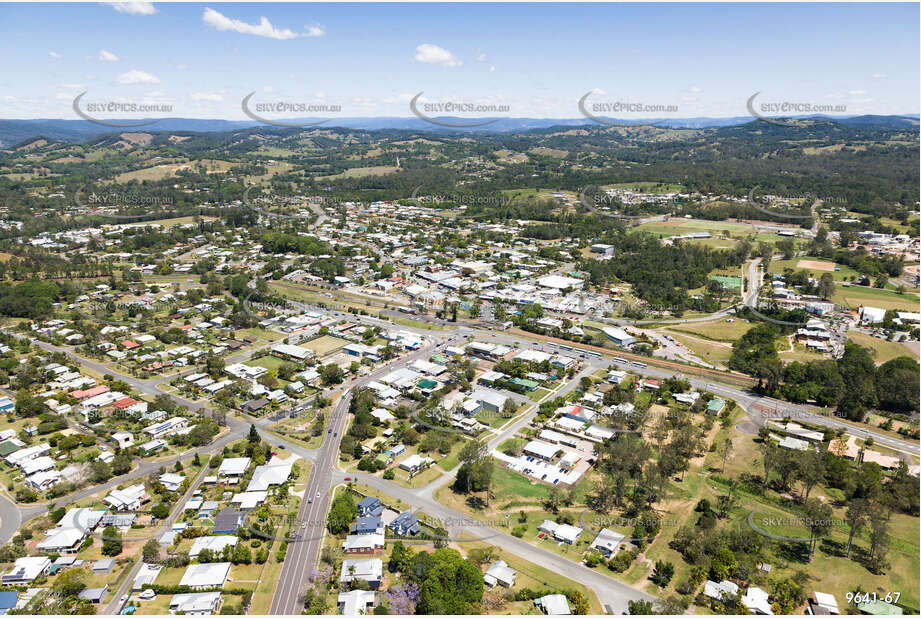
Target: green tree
[{"x": 111, "y": 541}]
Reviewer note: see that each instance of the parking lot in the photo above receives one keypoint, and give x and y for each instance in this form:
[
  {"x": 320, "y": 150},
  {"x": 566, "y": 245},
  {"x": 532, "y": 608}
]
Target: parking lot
[{"x": 545, "y": 471}]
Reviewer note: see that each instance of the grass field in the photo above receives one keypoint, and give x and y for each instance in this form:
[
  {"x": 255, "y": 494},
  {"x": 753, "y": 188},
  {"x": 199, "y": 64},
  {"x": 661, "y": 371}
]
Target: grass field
[
  {"x": 777, "y": 267},
  {"x": 718, "y": 330},
  {"x": 856, "y": 296},
  {"x": 882, "y": 350},
  {"x": 715, "y": 353},
  {"x": 269, "y": 362},
  {"x": 325, "y": 345},
  {"x": 418, "y": 324},
  {"x": 361, "y": 172},
  {"x": 647, "y": 187}
]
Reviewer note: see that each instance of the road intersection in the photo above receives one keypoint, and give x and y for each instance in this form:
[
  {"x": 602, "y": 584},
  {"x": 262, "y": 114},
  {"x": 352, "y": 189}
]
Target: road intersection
[{"x": 303, "y": 552}]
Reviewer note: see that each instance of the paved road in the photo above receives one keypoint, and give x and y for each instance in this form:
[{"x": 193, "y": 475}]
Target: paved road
[
  {"x": 610, "y": 591},
  {"x": 115, "y": 605},
  {"x": 303, "y": 553}
]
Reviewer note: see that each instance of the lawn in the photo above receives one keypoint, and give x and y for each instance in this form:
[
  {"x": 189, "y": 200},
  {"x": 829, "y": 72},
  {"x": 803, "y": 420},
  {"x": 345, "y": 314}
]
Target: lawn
[
  {"x": 259, "y": 333},
  {"x": 711, "y": 352},
  {"x": 778, "y": 266},
  {"x": 530, "y": 575},
  {"x": 882, "y": 350},
  {"x": 418, "y": 324},
  {"x": 856, "y": 296},
  {"x": 325, "y": 345},
  {"x": 272, "y": 363},
  {"x": 717, "y": 330},
  {"x": 647, "y": 187}
]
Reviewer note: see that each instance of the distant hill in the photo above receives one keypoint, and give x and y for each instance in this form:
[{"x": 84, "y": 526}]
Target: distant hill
[{"x": 17, "y": 131}]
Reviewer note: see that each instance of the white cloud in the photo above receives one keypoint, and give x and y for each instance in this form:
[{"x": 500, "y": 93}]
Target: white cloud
[
  {"x": 432, "y": 54},
  {"x": 879, "y": 76},
  {"x": 54, "y": 55},
  {"x": 492, "y": 69},
  {"x": 857, "y": 93},
  {"x": 481, "y": 58},
  {"x": 73, "y": 86},
  {"x": 264, "y": 28},
  {"x": 137, "y": 77},
  {"x": 133, "y": 8},
  {"x": 206, "y": 96},
  {"x": 695, "y": 89},
  {"x": 107, "y": 56},
  {"x": 313, "y": 31},
  {"x": 400, "y": 98}
]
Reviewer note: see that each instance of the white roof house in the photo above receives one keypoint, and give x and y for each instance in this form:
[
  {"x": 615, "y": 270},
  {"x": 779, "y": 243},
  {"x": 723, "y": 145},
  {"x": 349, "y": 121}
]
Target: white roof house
[
  {"x": 214, "y": 543},
  {"x": 720, "y": 590},
  {"x": 211, "y": 575},
  {"x": 500, "y": 573},
  {"x": 66, "y": 540},
  {"x": 233, "y": 466},
  {"x": 366, "y": 569},
  {"x": 826, "y": 601},
  {"x": 756, "y": 600},
  {"x": 127, "y": 499},
  {"x": 355, "y": 602},
  {"x": 553, "y": 605},
  {"x": 272, "y": 473},
  {"x": 607, "y": 541},
  {"x": 195, "y": 603},
  {"x": 26, "y": 569}
]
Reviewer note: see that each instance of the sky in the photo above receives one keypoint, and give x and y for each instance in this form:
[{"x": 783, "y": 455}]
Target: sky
[{"x": 537, "y": 60}]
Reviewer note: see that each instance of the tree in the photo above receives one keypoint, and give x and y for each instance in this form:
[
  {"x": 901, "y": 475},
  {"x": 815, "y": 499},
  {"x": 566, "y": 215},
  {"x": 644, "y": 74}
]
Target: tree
[
  {"x": 111, "y": 541},
  {"x": 819, "y": 522},
  {"x": 640, "y": 608},
  {"x": 663, "y": 573},
  {"x": 826, "y": 288},
  {"x": 856, "y": 518},
  {"x": 160, "y": 511},
  {"x": 879, "y": 538},
  {"x": 341, "y": 513},
  {"x": 121, "y": 464},
  {"x": 151, "y": 551},
  {"x": 811, "y": 470},
  {"x": 100, "y": 472},
  {"x": 253, "y": 437},
  {"x": 331, "y": 374},
  {"x": 448, "y": 584},
  {"x": 70, "y": 583},
  {"x": 725, "y": 450}
]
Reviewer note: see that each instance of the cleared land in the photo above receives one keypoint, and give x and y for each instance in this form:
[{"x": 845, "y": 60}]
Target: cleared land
[
  {"x": 816, "y": 265},
  {"x": 883, "y": 350}
]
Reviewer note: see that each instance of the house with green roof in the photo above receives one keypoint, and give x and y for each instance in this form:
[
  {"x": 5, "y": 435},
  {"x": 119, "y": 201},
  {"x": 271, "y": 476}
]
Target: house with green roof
[
  {"x": 879, "y": 607},
  {"x": 716, "y": 405}
]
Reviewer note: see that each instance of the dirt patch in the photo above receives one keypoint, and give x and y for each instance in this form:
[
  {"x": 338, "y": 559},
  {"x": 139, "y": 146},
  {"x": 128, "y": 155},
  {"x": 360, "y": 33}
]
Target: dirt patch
[
  {"x": 816, "y": 265},
  {"x": 143, "y": 139},
  {"x": 178, "y": 138}
]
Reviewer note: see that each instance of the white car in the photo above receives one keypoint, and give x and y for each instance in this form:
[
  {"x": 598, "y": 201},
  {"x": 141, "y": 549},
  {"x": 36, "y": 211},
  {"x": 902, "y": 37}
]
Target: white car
[{"x": 318, "y": 494}]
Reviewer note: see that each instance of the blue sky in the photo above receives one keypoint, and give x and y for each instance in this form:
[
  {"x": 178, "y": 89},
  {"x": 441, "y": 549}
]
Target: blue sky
[{"x": 537, "y": 59}]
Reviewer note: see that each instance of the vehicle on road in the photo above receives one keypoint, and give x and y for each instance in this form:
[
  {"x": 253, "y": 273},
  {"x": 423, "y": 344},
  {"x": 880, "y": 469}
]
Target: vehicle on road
[{"x": 318, "y": 494}]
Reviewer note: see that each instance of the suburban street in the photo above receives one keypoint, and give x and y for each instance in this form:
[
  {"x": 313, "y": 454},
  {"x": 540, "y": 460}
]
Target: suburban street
[{"x": 303, "y": 551}]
